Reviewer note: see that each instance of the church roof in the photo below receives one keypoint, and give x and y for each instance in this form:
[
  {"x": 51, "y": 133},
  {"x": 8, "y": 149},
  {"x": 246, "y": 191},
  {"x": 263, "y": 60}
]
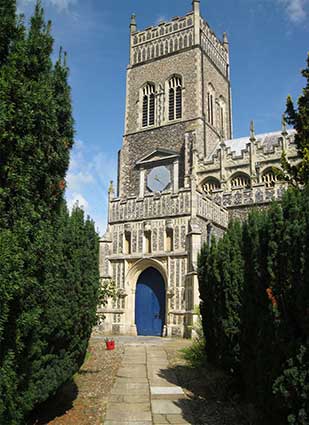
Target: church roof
[{"x": 266, "y": 140}]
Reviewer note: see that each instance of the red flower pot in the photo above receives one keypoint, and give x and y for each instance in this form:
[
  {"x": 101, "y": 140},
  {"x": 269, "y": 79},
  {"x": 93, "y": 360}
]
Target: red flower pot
[{"x": 110, "y": 345}]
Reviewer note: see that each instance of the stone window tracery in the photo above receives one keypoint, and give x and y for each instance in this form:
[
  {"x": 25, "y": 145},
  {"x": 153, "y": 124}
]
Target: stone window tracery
[
  {"x": 175, "y": 98},
  {"x": 210, "y": 185},
  {"x": 148, "y": 117},
  {"x": 241, "y": 180},
  {"x": 269, "y": 178}
]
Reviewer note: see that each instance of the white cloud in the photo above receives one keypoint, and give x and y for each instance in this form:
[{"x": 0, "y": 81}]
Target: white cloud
[
  {"x": 297, "y": 10},
  {"x": 77, "y": 180},
  {"x": 88, "y": 180},
  {"x": 78, "y": 199}
]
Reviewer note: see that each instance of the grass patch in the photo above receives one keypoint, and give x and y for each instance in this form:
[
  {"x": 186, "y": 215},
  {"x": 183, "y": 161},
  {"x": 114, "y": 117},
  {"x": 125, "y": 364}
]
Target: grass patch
[{"x": 195, "y": 355}]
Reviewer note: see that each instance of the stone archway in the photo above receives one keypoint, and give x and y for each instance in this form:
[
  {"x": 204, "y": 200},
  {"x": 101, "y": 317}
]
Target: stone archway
[
  {"x": 150, "y": 303},
  {"x": 132, "y": 279}
]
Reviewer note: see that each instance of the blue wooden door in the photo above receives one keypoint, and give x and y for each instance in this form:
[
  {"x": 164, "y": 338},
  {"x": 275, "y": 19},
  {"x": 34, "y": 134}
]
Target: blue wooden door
[{"x": 150, "y": 303}]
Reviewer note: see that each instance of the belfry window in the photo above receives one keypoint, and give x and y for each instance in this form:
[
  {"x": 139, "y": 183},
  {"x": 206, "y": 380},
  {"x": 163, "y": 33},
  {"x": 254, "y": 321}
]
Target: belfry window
[
  {"x": 148, "y": 105},
  {"x": 175, "y": 98}
]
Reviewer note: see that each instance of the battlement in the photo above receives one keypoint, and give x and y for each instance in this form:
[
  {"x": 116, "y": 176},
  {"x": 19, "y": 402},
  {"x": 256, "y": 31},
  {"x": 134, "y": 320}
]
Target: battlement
[
  {"x": 214, "y": 48},
  {"x": 163, "y": 39},
  {"x": 266, "y": 146},
  {"x": 162, "y": 30},
  {"x": 162, "y": 205},
  {"x": 178, "y": 34}
]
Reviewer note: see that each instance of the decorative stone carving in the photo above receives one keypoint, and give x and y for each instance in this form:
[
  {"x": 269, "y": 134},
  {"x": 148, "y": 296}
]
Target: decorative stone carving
[
  {"x": 122, "y": 293},
  {"x": 170, "y": 293}
]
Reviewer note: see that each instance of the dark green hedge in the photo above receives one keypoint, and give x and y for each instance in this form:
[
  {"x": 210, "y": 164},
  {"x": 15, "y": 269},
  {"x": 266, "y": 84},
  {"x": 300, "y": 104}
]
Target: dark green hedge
[
  {"x": 49, "y": 277},
  {"x": 254, "y": 286}
]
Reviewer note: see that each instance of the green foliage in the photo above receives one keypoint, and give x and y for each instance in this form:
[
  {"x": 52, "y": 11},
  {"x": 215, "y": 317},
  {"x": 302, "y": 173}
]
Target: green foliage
[
  {"x": 293, "y": 387},
  {"x": 221, "y": 282},
  {"x": 265, "y": 297},
  {"x": 49, "y": 278},
  {"x": 195, "y": 354},
  {"x": 299, "y": 119}
]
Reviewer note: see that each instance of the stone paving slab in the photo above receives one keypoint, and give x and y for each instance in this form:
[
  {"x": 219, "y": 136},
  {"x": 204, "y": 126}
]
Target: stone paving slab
[
  {"x": 124, "y": 412},
  {"x": 169, "y": 419},
  {"x": 133, "y": 372},
  {"x": 165, "y": 407},
  {"x": 146, "y": 391},
  {"x": 133, "y": 380},
  {"x": 166, "y": 391},
  {"x": 133, "y": 389},
  {"x": 128, "y": 423},
  {"x": 141, "y": 398}
]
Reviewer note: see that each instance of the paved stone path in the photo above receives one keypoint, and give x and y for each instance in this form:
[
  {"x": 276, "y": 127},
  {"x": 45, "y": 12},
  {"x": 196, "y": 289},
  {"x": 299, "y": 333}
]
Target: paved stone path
[{"x": 145, "y": 391}]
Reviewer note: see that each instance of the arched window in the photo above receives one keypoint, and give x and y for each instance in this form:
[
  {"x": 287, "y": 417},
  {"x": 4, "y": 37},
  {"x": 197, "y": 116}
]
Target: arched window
[
  {"x": 148, "y": 105},
  {"x": 210, "y": 104},
  {"x": 175, "y": 98},
  {"x": 269, "y": 177},
  {"x": 241, "y": 180},
  {"x": 211, "y": 184},
  {"x": 222, "y": 117}
]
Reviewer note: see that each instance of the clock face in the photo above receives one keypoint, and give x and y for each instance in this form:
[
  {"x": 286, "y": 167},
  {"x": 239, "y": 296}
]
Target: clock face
[{"x": 158, "y": 179}]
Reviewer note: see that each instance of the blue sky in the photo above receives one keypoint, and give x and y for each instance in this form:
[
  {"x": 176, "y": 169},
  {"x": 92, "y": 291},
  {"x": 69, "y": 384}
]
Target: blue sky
[{"x": 269, "y": 43}]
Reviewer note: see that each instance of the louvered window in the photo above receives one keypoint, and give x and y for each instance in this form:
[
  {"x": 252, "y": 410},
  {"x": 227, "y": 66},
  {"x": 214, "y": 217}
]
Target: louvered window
[
  {"x": 175, "y": 99},
  {"x": 241, "y": 181},
  {"x": 211, "y": 184},
  {"x": 269, "y": 178},
  {"x": 149, "y": 105}
]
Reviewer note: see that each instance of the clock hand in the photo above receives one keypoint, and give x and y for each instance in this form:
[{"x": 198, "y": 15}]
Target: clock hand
[{"x": 157, "y": 178}]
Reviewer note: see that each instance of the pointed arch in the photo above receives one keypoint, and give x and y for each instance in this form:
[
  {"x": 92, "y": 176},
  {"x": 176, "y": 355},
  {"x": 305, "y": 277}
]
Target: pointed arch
[
  {"x": 148, "y": 113},
  {"x": 210, "y": 184},
  {"x": 175, "y": 88},
  {"x": 270, "y": 177},
  {"x": 240, "y": 180},
  {"x": 222, "y": 117}
]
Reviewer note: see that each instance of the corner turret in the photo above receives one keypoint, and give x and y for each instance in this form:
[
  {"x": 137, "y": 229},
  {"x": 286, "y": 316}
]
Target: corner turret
[{"x": 133, "y": 26}]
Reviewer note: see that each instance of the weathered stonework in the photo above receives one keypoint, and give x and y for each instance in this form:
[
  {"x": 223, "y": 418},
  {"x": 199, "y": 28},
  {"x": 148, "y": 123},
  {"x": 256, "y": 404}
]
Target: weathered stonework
[{"x": 210, "y": 178}]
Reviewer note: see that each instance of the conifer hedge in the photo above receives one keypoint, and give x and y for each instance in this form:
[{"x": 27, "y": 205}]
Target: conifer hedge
[
  {"x": 254, "y": 286},
  {"x": 49, "y": 279}
]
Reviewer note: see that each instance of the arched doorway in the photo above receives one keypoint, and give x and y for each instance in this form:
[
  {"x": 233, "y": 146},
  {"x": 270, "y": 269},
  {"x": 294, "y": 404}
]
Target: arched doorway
[{"x": 150, "y": 303}]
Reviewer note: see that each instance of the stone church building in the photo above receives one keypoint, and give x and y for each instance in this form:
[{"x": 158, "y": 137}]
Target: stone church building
[{"x": 181, "y": 175}]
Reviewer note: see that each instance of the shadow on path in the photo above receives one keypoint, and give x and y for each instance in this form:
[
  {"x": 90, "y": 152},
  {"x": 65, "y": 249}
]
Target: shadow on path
[
  {"x": 209, "y": 396},
  {"x": 55, "y": 406}
]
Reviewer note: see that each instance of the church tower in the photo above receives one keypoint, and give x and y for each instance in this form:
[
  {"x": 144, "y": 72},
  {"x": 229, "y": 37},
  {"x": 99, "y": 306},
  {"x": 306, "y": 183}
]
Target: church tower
[
  {"x": 177, "y": 82},
  {"x": 178, "y": 108}
]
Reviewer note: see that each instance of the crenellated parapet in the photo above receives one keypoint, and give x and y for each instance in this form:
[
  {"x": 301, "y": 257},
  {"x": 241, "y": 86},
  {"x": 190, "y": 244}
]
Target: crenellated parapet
[
  {"x": 161, "y": 40},
  {"x": 214, "y": 48},
  {"x": 178, "y": 34},
  {"x": 244, "y": 172},
  {"x": 150, "y": 206}
]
